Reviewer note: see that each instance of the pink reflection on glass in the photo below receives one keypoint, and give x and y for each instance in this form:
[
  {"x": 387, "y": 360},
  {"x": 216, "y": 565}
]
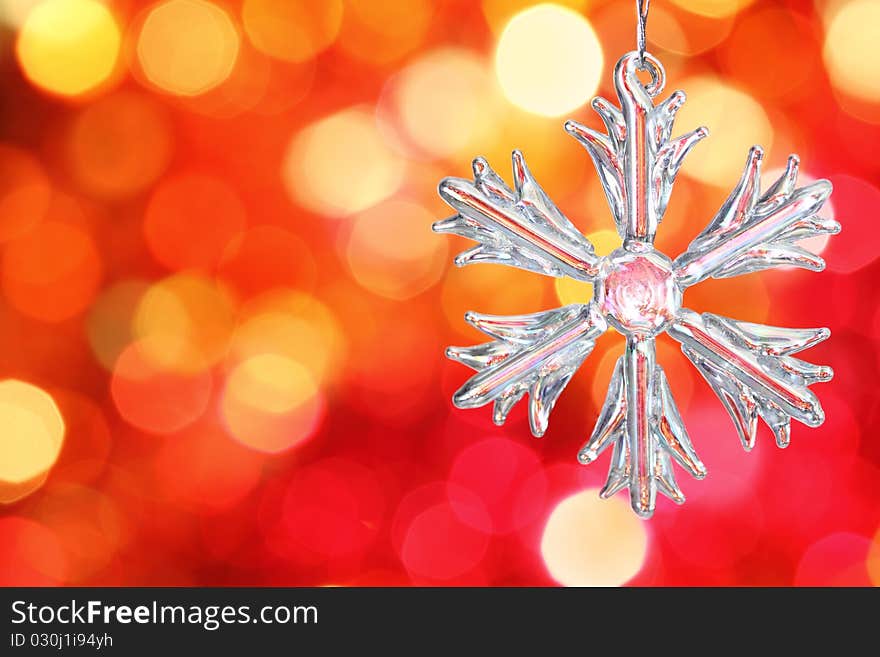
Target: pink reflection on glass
[{"x": 637, "y": 292}]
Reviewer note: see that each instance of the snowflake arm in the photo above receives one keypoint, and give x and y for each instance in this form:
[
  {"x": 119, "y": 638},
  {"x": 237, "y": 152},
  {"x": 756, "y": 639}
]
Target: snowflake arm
[
  {"x": 638, "y": 152},
  {"x": 520, "y": 227},
  {"x": 752, "y": 232},
  {"x": 535, "y": 354},
  {"x": 640, "y": 419},
  {"x": 751, "y": 369}
]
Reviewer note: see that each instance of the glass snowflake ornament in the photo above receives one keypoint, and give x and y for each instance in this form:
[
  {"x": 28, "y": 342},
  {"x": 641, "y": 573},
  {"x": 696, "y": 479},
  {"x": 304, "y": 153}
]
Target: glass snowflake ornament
[{"x": 638, "y": 291}]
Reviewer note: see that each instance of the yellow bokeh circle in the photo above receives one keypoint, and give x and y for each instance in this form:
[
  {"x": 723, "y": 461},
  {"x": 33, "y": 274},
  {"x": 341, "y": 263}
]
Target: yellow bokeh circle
[
  {"x": 294, "y": 325},
  {"x": 184, "y": 323},
  {"x": 341, "y": 164},
  {"x": 735, "y": 120},
  {"x": 69, "y": 47},
  {"x": 33, "y": 432},
  {"x": 548, "y": 60},
  {"x": 187, "y": 47},
  {"x": 444, "y": 101},
  {"x": 851, "y": 52},
  {"x": 270, "y": 403},
  {"x": 589, "y": 541},
  {"x": 292, "y": 30},
  {"x": 392, "y": 252}
]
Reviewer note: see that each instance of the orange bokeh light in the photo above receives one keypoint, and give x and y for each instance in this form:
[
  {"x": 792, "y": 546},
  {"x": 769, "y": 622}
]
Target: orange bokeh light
[
  {"x": 292, "y": 324},
  {"x": 183, "y": 322},
  {"x": 109, "y": 325},
  {"x": 191, "y": 220},
  {"x": 322, "y": 181},
  {"x": 69, "y": 47},
  {"x": 384, "y": 31},
  {"x": 30, "y": 554},
  {"x": 52, "y": 272},
  {"x": 267, "y": 257},
  {"x": 293, "y": 30},
  {"x": 25, "y": 192},
  {"x": 155, "y": 399},
  {"x": 271, "y": 403},
  {"x": 33, "y": 432},
  {"x": 392, "y": 252},
  {"x": 119, "y": 145},
  {"x": 187, "y": 47}
]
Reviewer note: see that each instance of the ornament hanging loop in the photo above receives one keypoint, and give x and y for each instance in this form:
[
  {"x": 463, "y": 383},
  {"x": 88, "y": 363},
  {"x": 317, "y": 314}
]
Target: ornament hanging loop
[
  {"x": 655, "y": 69},
  {"x": 630, "y": 64}
]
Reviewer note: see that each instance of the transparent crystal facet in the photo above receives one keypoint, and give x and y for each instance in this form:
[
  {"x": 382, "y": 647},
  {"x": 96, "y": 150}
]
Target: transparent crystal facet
[{"x": 637, "y": 292}]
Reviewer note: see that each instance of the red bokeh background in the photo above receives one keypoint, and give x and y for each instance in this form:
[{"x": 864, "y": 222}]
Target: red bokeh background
[{"x": 223, "y": 274}]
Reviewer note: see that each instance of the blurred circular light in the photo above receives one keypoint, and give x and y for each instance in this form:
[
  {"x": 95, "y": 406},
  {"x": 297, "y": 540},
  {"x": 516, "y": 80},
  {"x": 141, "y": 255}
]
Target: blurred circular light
[
  {"x": 191, "y": 219},
  {"x": 382, "y": 31},
  {"x": 33, "y": 432},
  {"x": 838, "y": 559},
  {"x": 713, "y": 8},
  {"x": 440, "y": 514},
  {"x": 119, "y": 145},
  {"x": 440, "y": 546},
  {"x": 109, "y": 325},
  {"x": 570, "y": 290},
  {"x": 332, "y": 509},
  {"x": 445, "y": 101},
  {"x": 14, "y": 12},
  {"x": 52, "y": 272},
  {"x": 206, "y": 471},
  {"x": 68, "y": 47},
  {"x": 25, "y": 192},
  {"x": 267, "y": 257},
  {"x": 323, "y": 182},
  {"x": 293, "y": 325},
  {"x": 548, "y": 60},
  {"x": 502, "y": 290},
  {"x": 88, "y": 524},
  {"x": 87, "y": 439},
  {"x": 271, "y": 403},
  {"x": 667, "y": 31},
  {"x": 294, "y": 30},
  {"x": 30, "y": 554},
  {"x": 499, "y": 12},
  {"x": 507, "y": 477},
  {"x": 154, "y": 399},
  {"x": 734, "y": 118},
  {"x": 392, "y": 252},
  {"x": 385, "y": 384},
  {"x": 184, "y": 322},
  {"x": 593, "y": 542},
  {"x": 784, "y": 35},
  {"x": 187, "y": 47},
  {"x": 851, "y": 53},
  {"x": 854, "y": 248}
]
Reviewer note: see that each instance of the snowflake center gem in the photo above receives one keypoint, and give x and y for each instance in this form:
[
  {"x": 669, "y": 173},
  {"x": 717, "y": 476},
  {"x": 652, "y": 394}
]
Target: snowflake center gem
[{"x": 637, "y": 292}]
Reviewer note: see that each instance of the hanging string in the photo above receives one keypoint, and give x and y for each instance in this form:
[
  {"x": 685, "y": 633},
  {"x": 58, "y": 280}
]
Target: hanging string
[{"x": 642, "y": 10}]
